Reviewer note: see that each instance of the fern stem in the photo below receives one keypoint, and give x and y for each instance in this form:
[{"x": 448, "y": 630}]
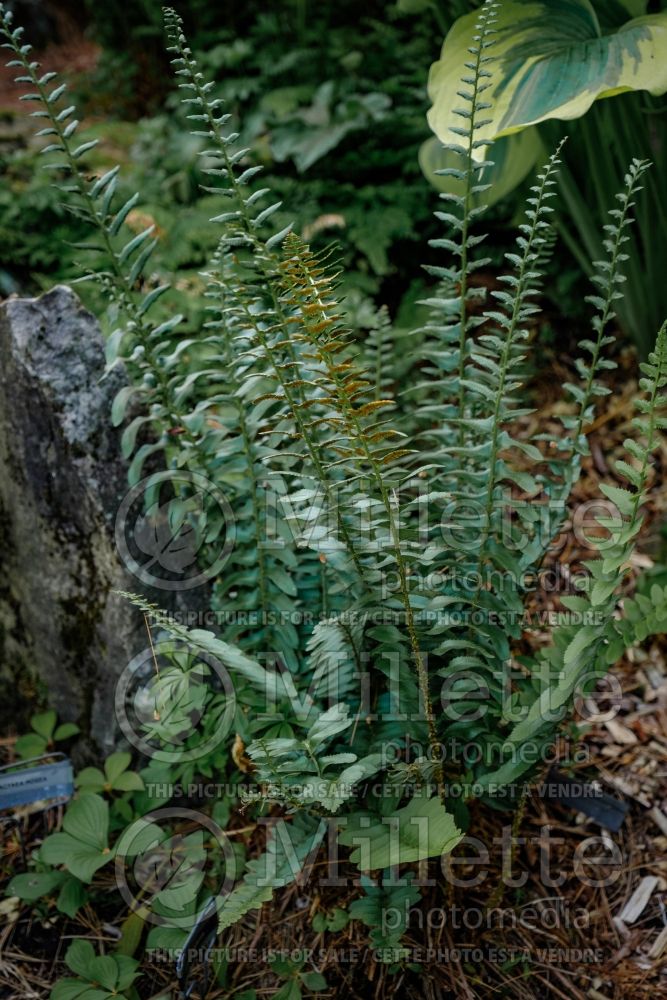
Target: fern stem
[
  {"x": 248, "y": 446},
  {"x": 356, "y": 433},
  {"x": 483, "y": 27},
  {"x": 126, "y": 294},
  {"x": 311, "y": 447},
  {"x": 607, "y": 313},
  {"x": 521, "y": 288},
  {"x": 215, "y": 131}
]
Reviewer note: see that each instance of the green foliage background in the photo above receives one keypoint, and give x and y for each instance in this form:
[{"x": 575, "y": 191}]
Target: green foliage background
[{"x": 332, "y": 101}]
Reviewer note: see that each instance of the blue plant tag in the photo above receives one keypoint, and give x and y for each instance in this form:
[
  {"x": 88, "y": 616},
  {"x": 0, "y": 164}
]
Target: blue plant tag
[{"x": 48, "y": 778}]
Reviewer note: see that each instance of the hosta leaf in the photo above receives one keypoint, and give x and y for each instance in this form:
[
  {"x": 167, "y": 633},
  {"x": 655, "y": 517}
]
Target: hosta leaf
[{"x": 550, "y": 60}]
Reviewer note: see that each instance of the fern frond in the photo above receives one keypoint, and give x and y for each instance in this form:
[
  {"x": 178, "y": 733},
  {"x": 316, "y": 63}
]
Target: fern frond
[
  {"x": 581, "y": 652},
  {"x": 355, "y": 436},
  {"x": 608, "y": 278},
  {"x": 289, "y": 848},
  {"x": 143, "y": 345},
  {"x": 461, "y": 214}
]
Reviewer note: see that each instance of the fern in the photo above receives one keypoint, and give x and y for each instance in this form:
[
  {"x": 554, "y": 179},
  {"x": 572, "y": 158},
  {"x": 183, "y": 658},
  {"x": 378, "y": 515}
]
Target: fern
[
  {"x": 581, "y": 650},
  {"x": 125, "y": 253},
  {"x": 289, "y": 848},
  {"x": 464, "y": 213},
  {"x": 409, "y": 556}
]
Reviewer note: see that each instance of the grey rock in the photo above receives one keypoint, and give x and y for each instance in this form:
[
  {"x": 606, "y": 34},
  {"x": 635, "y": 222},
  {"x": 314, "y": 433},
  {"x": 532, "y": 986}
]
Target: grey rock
[{"x": 65, "y": 637}]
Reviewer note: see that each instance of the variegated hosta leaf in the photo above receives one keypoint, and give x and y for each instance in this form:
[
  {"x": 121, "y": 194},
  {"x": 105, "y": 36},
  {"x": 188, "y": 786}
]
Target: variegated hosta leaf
[{"x": 550, "y": 60}]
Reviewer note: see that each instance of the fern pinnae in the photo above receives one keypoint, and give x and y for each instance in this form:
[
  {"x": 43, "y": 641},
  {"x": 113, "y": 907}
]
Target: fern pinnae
[
  {"x": 97, "y": 196},
  {"x": 586, "y": 648},
  {"x": 478, "y": 82},
  {"x": 279, "y": 638},
  {"x": 607, "y": 277},
  {"x": 244, "y": 221},
  {"x": 309, "y": 290},
  {"x": 518, "y": 309},
  {"x": 242, "y": 227}
]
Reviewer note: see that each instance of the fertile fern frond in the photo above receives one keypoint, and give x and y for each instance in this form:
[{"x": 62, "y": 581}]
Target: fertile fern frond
[
  {"x": 565, "y": 466},
  {"x": 451, "y": 353},
  {"x": 580, "y": 653},
  {"x": 358, "y": 440},
  {"x": 230, "y": 656},
  {"x": 608, "y": 277}
]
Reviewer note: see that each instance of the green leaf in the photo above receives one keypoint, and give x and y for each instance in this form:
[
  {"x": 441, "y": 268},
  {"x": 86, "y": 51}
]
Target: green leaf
[
  {"x": 30, "y": 745},
  {"x": 34, "y": 885},
  {"x": 104, "y": 971},
  {"x": 334, "y": 720},
  {"x": 80, "y": 859},
  {"x": 314, "y": 981},
  {"x": 90, "y": 779},
  {"x": 127, "y": 968},
  {"x": 71, "y": 897},
  {"x": 422, "y": 829},
  {"x": 44, "y": 724},
  {"x": 69, "y": 989},
  {"x": 79, "y": 957},
  {"x": 120, "y": 404},
  {"x": 623, "y": 499},
  {"x": 115, "y": 764},
  {"x": 66, "y": 730},
  {"x": 550, "y": 60},
  {"x": 131, "y": 930},
  {"x": 87, "y": 819},
  {"x": 580, "y": 643},
  {"x": 129, "y": 782},
  {"x": 82, "y": 847},
  {"x": 290, "y": 991}
]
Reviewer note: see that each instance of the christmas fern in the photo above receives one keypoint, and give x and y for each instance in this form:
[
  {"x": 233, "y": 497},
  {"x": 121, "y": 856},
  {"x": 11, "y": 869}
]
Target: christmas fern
[{"x": 385, "y": 556}]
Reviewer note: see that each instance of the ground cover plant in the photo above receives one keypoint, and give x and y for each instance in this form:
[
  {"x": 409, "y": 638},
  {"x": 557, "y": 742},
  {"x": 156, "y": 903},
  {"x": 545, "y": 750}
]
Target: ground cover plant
[{"x": 374, "y": 621}]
